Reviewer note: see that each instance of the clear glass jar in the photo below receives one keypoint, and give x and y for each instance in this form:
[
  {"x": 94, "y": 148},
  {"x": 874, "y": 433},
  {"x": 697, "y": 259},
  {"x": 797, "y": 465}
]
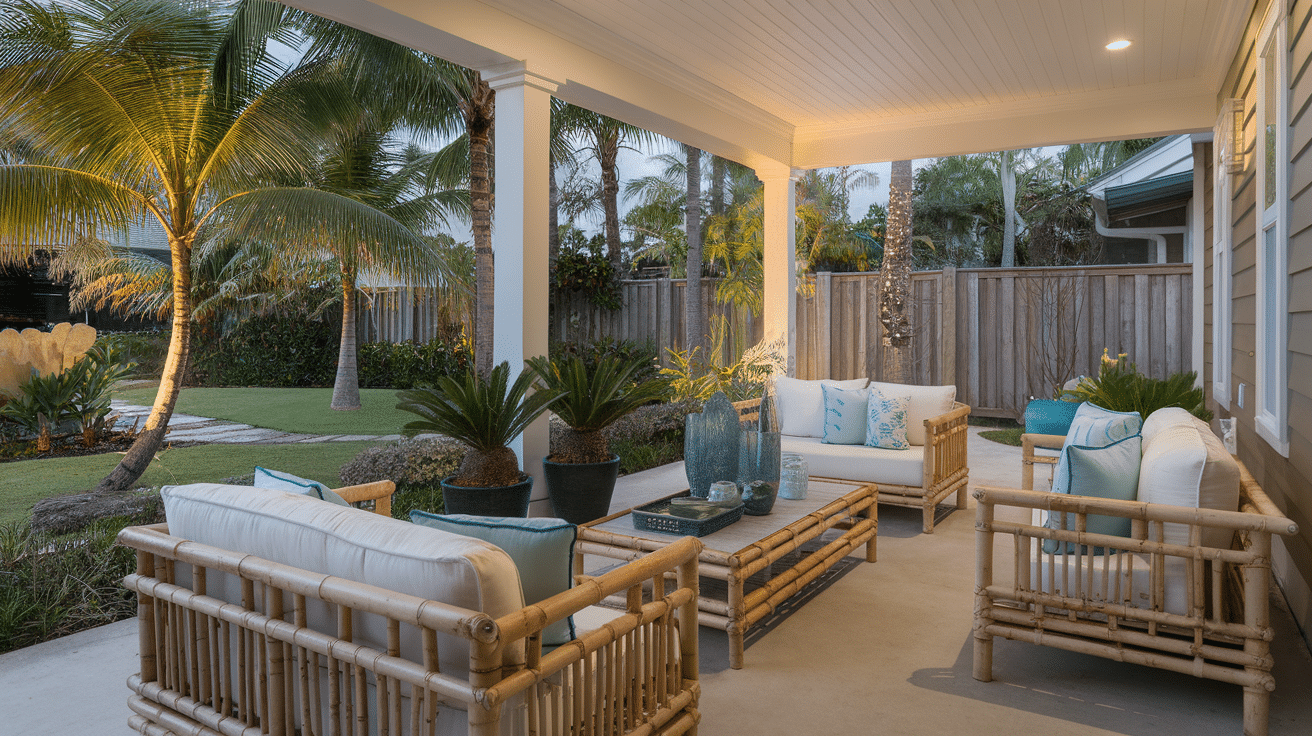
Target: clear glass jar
[
  {"x": 793, "y": 476},
  {"x": 724, "y": 493}
]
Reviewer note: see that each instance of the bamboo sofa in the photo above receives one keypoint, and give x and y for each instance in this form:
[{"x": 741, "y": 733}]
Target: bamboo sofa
[
  {"x": 921, "y": 477},
  {"x": 234, "y": 640},
  {"x": 1199, "y": 607}
]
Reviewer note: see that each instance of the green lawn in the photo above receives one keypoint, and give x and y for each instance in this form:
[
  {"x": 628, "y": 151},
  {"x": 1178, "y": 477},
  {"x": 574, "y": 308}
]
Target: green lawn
[
  {"x": 24, "y": 483},
  {"x": 287, "y": 409}
]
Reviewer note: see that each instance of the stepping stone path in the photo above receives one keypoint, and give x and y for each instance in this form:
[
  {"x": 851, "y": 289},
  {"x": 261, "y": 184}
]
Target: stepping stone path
[{"x": 188, "y": 428}]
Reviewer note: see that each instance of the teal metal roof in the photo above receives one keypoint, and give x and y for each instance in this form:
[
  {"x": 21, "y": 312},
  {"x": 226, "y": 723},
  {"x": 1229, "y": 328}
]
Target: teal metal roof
[{"x": 1176, "y": 187}]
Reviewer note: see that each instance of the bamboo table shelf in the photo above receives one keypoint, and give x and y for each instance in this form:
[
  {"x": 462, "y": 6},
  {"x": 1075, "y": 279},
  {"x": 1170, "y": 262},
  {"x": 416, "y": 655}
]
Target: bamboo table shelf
[{"x": 751, "y": 545}]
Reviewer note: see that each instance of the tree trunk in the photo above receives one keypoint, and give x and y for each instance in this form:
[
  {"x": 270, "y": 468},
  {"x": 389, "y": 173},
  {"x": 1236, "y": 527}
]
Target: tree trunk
[
  {"x": 895, "y": 278},
  {"x": 148, "y": 442},
  {"x": 1007, "y": 172},
  {"x": 608, "y": 149},
  {"x": 346, "y": 387},
  {"x": 719, "y": 177},
  {"x": 479, "y": 112},
  {"x": 694, "y": 320}
]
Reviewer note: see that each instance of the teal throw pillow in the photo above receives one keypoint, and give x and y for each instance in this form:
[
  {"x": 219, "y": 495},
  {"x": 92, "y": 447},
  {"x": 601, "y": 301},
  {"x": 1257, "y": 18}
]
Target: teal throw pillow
[
  {"x": 1094, "y": 426},
  {"x": 1101, "y": 472},
  {"x": 542, "y": 549},
  {"x": 886, "y": 421},
  {"x": 276, "y": 480},
  {"x": 845, "y": 416}
]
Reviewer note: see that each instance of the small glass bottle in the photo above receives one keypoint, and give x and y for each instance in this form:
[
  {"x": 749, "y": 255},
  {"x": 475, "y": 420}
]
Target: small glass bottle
[{"x": 793, "y": 476}]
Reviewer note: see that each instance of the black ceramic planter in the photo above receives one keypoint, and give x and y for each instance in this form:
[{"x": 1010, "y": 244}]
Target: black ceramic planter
[
  {"x": 503, "y": 501},
  {"x": 580, "y": 492}
]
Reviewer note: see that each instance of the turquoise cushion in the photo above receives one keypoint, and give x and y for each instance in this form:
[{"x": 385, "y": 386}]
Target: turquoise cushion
[
  {"x": 542, "y": 548},
  {"x": 1094, "y": 426},
  {"x": 886, "y": 421},
  {"x": 1102, "y": 472},
  {"x": 845, "y": 416},
  {"x": 276, "y": 480},
  {"x": 1048, "y": 416}
]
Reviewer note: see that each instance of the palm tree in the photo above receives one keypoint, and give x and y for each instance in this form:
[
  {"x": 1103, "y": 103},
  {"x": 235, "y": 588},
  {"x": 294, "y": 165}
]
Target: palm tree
[
  {"x": 604, "y": 137},
  {"x": 694, "y": 319},
  {"x": 157, "y": 109},
  {"x": 365, "y": 178},
  {"x": 894, "y": 277},
  {"x": 424, "y": 90}
]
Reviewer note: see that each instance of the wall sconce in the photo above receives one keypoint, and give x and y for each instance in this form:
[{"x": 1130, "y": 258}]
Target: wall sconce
[{"x": 1228, "y": 136}]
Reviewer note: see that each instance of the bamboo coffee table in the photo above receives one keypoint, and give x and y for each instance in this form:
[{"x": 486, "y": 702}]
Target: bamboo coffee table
[{"x": 751, "y": 545}]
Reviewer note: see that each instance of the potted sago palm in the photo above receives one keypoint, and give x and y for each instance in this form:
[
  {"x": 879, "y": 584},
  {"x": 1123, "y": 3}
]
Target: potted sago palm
[
  {"x": 581, "y": 470},
  {"x": 486, "y": 415}
]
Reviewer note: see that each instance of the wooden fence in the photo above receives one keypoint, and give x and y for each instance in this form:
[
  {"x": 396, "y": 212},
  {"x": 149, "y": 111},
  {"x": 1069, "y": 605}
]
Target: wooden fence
[{"x": 1001, "y": 336}]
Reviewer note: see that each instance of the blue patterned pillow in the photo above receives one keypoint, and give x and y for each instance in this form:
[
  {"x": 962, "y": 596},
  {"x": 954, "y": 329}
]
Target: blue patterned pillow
[
  {"x": 845, "y": 416},
  {"x": 1094, "y": 426},
  {"x": 886, "y": 421}
]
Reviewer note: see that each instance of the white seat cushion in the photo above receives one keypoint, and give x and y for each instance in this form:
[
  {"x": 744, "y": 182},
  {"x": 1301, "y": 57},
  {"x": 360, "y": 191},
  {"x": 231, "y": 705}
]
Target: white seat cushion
[
  {"x": 926, "y": 402},
  {"x": 306, "y": 533},
  {"x": 858, "y": 462}
]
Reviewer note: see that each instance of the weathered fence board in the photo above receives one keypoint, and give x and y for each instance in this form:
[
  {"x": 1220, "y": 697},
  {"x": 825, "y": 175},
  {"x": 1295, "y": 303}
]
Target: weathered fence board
[{"x": 1000, "y": 335}]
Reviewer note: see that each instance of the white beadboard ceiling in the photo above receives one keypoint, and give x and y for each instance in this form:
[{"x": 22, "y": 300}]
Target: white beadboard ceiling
[{"x": 806, "y": 83}]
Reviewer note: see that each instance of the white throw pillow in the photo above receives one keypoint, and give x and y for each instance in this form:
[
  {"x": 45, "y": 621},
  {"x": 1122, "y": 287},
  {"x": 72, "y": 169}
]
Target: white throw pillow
[
  {"x": 801, "y": 406},
  {"x": 924, "y": 402},
  {"x": 886, "y": 421},
  {"x": 1185, "y": 464}
]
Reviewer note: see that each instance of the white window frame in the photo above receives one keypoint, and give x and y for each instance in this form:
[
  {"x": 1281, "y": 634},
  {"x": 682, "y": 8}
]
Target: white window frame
[
  {"x": 1222, "y": 265},
  {"x": 1270, "y": 414}
]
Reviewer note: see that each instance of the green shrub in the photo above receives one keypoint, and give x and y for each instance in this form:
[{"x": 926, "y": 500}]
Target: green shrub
[
  {"x": 415, "y": 465},
  {"x": 406, "y": 365},
  {"x": 273, "y": 351},
  {"x": 51, "y": 586},
  {"x": 1120, "y": 387},
  {"x": 608, "y": 347},
  {"x": 147, "y": 349},
  {"x": 651, "y": 436}
]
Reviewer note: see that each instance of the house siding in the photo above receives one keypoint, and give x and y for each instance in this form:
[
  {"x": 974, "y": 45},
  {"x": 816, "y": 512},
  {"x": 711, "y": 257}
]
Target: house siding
[{"x": 1287, "y": 480}]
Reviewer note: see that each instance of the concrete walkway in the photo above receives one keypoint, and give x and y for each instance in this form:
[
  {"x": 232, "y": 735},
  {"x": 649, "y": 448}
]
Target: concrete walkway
[
  {"x": 189, "y": 428},
  {"x": 884, "y": 648}
]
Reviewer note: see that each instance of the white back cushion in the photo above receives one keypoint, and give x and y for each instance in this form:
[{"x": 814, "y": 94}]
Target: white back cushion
[
  {"x": 926, "y": 402},
  {"x": 306, "y": 533},
  {"x": 801, "y": 405},
  {"x": 1185, "y": 464}
]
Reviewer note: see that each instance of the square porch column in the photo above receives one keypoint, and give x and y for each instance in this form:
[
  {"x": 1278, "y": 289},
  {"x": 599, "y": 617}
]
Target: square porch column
[
  {"x": 522, "y": 138},
  {"x": 781, "y": 259}
]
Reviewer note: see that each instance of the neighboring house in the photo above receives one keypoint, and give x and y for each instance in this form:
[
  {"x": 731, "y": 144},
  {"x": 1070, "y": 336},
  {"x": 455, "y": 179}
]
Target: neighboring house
[{"x": 1143, "y": 206}]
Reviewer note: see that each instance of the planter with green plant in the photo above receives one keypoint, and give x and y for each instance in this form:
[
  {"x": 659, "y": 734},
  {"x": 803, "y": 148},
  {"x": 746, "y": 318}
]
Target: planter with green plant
[
  {"x": 581, "y": 470},
  {"x": 1119, "y": 386},
  {"x": 485, "y": 414}
]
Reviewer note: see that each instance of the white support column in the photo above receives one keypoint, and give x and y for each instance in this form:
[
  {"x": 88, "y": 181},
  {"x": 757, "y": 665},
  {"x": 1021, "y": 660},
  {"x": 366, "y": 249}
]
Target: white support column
[
  {"x": 522, "y": 137},
  {"x": 1196, "y": 244},
  {"x": 781, "y": 259}
]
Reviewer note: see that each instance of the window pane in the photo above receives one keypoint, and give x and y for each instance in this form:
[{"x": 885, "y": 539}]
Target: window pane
[
  {"x": 1269, "y": 110},
  {"x": 1270, "y": 321}
]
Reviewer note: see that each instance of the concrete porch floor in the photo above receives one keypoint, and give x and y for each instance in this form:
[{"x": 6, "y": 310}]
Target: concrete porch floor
[{"x": 884, "y": 648}]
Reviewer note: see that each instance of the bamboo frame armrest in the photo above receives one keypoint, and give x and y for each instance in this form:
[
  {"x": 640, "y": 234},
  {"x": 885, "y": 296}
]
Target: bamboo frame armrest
[
  {"x": 935, "y": 425},
  {"x": 1031, "y": 442},
  {"x": 380, "y": 492}
]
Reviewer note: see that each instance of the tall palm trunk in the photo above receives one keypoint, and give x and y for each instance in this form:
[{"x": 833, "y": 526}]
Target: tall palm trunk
[
  {"x": 694, "y": 319},
  {"x": 151, "y": 438},
  {"x": 346, "y": 387},
  {"x": 1007, "y": 172},
  {"x": 719, "y": 177},
  {"x": 608, "y": 148},
  {"x": 479, "y": 112},
  {"x": 895, "y": 277}
]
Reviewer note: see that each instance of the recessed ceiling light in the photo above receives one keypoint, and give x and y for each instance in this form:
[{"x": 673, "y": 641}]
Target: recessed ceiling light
[{"x": 1118, "y": 45}]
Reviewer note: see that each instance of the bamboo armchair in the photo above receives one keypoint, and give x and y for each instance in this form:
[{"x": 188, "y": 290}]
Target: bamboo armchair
[
  {"x": 946, "y": 470},
  {"x": 213, "y": 666},
  {"x": 1192, "y": 608}
]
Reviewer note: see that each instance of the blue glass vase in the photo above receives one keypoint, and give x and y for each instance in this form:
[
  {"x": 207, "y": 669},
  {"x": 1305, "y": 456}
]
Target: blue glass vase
[{"x": 710, "y": 445}]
